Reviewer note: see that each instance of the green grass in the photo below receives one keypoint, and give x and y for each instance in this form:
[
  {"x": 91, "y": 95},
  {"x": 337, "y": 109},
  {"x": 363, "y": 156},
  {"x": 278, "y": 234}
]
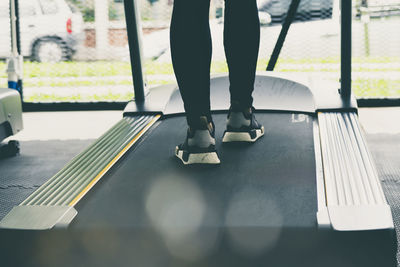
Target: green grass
[
  {"x": 367, "y": 87},
  {"x": 73, "y": 69},
  {"x": 78, "y": 98},
  {"x": 363, "y": 88},
  {"x": 376, "y": 88},
  {"x": 75, "y": 83},
  {"x": 88, "y": 83},
  {"x": 117, "y": 68}
]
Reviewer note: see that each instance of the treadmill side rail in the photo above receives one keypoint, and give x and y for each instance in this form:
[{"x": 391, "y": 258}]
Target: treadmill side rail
[
  {"x": 361, "y": 217},
  {"x": 323, "y": 219},
  {"x": 38, "y": 217},
  {"x": 354, "y": 195}
]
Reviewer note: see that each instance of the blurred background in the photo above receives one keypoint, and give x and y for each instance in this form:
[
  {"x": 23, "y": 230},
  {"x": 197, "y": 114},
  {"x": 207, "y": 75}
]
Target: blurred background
[{"x": 77, "y": 50}]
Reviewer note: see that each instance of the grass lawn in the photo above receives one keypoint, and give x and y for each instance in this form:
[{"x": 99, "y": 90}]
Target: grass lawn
[
  {"x": 114, "y": 68},
  {"x": 104, "y": 74},
  {"x": 376, "y": 88},
  {"x": 76, "y": 98}
]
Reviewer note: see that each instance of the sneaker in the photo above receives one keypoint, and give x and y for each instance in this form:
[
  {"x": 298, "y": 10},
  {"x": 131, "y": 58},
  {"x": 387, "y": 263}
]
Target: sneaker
[
  {"x": 242, "y": 126},
  {"x": 199, "y": 146}
]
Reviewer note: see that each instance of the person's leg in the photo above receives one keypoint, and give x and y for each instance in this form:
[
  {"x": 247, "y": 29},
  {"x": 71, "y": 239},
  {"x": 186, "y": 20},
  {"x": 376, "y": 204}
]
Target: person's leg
[
  {"x": 191, "y": 50},
  {"x": 241, "y": 42},
  {"x": 191, "y": 57}
]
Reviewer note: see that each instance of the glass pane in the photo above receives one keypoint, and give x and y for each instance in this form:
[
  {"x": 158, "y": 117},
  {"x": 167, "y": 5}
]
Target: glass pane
[{"x": 95, "y": 65}]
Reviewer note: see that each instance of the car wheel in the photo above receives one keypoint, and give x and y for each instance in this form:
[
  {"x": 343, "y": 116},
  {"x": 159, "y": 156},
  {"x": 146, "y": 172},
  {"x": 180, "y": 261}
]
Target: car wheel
[{"x": 50, "y": 51}]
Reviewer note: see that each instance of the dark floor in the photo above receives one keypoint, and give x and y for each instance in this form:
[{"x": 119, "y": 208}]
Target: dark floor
[{"x": 385, "y": 150}]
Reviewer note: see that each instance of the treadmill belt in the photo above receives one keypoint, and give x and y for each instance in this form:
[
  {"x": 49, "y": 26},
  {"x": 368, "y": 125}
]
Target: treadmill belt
[{"x": 256, "y": 184}]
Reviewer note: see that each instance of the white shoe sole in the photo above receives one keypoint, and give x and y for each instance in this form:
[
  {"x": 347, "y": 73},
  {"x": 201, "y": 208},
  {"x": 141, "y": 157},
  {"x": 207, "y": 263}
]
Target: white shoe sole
[
  {"x": 198, "y": 158},
  {"x": 242, "y": 137}
]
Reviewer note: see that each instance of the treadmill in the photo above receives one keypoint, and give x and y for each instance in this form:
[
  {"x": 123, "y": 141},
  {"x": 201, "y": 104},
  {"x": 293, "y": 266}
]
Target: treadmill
[
  {"x": 306, "y": 194},
  {"x": 10, "y": 120},
  {"x": 10, "y": 98}
]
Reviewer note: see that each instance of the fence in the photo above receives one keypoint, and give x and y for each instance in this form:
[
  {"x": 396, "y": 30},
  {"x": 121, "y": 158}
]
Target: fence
[{"x": 77, "y": 50}]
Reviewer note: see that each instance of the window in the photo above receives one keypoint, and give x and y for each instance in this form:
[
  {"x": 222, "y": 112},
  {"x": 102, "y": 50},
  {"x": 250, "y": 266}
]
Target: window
[{"x": 48, "y": 7}]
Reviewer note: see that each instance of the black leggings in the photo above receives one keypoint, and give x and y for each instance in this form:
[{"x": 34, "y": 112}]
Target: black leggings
[{"x": 191, "y": 50}]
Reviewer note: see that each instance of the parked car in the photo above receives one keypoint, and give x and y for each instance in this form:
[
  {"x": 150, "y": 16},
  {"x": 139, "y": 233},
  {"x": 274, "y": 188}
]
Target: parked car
[
  {"x": 377, "y": 8},
  {"x": 307, "y": 10},
  {"x": 50, "y": 30},
  {"x": 264, "y": 17}
]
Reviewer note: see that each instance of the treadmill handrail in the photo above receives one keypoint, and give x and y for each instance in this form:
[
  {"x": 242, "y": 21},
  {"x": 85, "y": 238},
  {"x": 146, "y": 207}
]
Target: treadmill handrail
[
  {"x": 132, "y": 18},
  {"x": 282, "y": 35}
]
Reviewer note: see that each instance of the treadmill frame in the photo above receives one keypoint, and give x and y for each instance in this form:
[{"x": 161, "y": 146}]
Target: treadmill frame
[{"x": 336, "y": 131}]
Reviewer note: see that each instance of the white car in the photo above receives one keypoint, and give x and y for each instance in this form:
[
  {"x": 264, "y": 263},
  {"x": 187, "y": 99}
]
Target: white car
[
  {"x": 265, "y": 17},
  {"x": 50, "y": 30},
  {"x": 307, "y": 9}
]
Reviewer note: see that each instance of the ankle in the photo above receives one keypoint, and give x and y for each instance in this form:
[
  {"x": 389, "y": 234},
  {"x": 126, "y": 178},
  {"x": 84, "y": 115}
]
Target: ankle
[
  {"x": 238, "y": 107},
  {"x": 201, "y": 123}
]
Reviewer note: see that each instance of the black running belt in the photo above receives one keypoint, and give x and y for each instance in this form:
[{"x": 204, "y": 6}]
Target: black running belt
[
  {"x": 278, "y": 170},
  {"x": 385, "y": 150}
]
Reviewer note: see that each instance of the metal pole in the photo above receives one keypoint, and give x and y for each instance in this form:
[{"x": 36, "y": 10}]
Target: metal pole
[
  {"x": 21, "y": 59},
  {"x": 14, "y": 63},
  {"x": 17, "y": 27},
  {"x": 345, "y": 47},
  {"x": 282, "y": 35},
  {"x": 101, "y": 25},
  {"x": 134, "y": 34},
  {"x": 13, "y": 24}
]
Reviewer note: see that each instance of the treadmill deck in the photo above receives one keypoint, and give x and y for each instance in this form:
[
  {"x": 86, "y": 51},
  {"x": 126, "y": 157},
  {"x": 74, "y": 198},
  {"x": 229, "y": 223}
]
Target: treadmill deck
[{"x": 274, "y": 185}]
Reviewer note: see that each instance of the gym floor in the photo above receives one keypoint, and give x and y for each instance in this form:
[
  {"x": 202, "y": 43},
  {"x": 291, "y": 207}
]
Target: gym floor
[{"x": 51, "y": 139}]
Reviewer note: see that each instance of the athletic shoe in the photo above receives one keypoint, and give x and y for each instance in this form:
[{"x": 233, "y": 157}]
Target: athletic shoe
[
  {"x": 199, "y": 146},
  {"x": 242, "y": 126}
]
